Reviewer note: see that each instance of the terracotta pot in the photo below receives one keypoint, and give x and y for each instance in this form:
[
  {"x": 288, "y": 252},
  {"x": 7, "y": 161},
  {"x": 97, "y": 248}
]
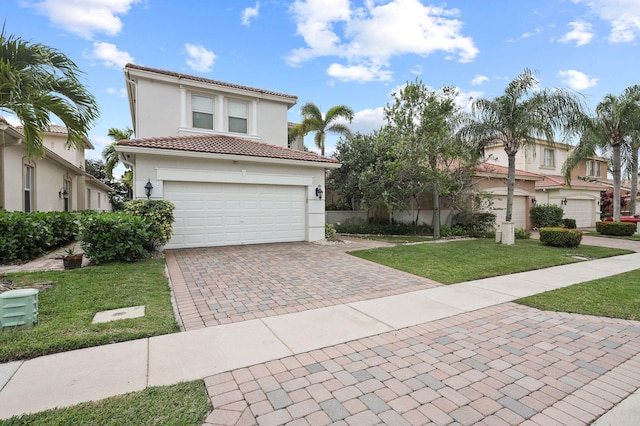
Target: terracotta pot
[{"x": 72, "y": 262}]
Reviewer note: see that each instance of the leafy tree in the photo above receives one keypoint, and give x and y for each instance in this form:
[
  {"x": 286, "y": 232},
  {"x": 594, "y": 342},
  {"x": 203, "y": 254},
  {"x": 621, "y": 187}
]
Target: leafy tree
[
  {"x": 37, "y": 81},
  {"x": 110, "y": 154},
  {"x": 616, "y": 122},
  {"x": 519, "y": 116},
  {"x": 314, "y": 121},
  {"x": 427, "y": 157},
  {"x": 120, "y": 191}
]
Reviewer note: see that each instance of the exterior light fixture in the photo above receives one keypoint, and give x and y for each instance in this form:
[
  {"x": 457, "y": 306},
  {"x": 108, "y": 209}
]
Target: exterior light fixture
[
  {"x": 563, "y": 202},
  {"x": 534, "y": 201},
  {"x": 148, "y": 188},
  {"x": 63, "y": 194},
  {"x": 319, "y": 192}
]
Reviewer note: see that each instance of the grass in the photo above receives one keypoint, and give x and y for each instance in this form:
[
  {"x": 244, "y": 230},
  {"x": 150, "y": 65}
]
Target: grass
[
  {"x": 181, "y": 404},
  {"x": 458, "y": 261},
  {"x": 617, "y": 296},
  {"x": 396, "y": 239},
  {"x": 65, "y": 311}
]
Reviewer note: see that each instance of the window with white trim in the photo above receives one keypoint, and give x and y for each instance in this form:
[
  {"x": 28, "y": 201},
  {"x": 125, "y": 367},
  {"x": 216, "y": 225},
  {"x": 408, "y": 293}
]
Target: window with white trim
[
  {"x": 237, "y": 116},
  {"x": 202, "y": 110},
  {"x": 547, "y": 158},
  {"x": 593, "y": 168},
  {"x": 28, "y": 188}
]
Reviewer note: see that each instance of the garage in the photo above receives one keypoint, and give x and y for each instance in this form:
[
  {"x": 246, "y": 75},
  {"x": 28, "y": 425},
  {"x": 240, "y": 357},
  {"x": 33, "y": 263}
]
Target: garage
[
  {"x": 219, "y": 214},
  {"x": 519, "y": 214},
  {"x": 583, "y": 211}
]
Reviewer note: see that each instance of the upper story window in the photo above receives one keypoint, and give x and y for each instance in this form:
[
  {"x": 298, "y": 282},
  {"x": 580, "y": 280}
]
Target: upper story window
[
  {"x": 202, "y": 108},
  {"x": 593, "y": 168},
  {"x": 547, "y": 158},
  {"x": 28, "y": 188},
  {"x": 237, "y": 116}
]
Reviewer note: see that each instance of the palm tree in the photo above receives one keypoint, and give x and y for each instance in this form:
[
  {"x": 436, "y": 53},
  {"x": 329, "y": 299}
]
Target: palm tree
[
  {"x": 519, "y": 116},
  {"x": 37, "y": 81},
  {"x": 616, "y": 122},
  {"x": 314, "y": 121},
  {"x": 110, "y": 154}
]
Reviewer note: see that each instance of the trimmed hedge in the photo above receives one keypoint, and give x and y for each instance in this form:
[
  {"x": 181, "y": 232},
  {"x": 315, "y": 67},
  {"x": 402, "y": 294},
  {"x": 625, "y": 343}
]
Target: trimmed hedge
[
  {"x": 560, "y": 237},
  {"x": 569, "y": 223},
  {"x": 28, "y": 235},
  {"x": 621, "y": 229},
  {"x": 546, "y": 215},
  {"x": 118, "y": 236},
  {"x": 397, "y": 228}
]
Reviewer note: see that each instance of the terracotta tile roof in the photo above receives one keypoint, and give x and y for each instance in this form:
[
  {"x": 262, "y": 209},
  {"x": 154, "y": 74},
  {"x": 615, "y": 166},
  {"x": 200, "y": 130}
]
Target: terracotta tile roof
[
  {"x": 503, "y": 170},
  {"x": 53, "y": 128},
  {"x": 553, "y": 181},
  {"x": 223, "y": 144},
  {"x": 207, "y": 80}
]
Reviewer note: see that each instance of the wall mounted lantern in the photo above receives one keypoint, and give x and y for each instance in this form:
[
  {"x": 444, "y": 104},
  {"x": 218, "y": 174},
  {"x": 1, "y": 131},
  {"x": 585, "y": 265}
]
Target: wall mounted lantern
[
  {"x": 319, "y": 192},
  {"x": 563, "y": 202},
  {"x": 148, "y": 188},
  {"x": 63, "y": 194},
  {"x": 534, "y": 201}
]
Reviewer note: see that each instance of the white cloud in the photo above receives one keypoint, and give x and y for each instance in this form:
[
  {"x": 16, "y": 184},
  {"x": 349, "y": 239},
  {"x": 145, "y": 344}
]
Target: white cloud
[
  {"x": 122, "y": 92},
  {"x": 361, "y": 73},
  {"x": 110, "y": 55},
  {"x": 479, "y": 79},
  {"x": 199, "y": 58},
  {"x": 369, "y": 36},
  {"x": 577, "y": 80},
  {"x": 367, "y": 120},
  {"x": 622, "y": 15},
  {"x": 533, "y": 33},
  {"x": 581, "y": 33},
  {"x": 86, "y": 17},
  {"x": 249, "y": 13}
]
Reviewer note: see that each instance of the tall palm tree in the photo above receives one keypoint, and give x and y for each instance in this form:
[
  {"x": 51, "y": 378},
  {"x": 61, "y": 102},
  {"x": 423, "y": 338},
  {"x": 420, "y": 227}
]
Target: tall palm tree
[
  {"x": 37, "y": 81},
  {"x": 519, "y": 116},
  {"x": 616, "y": 122},
  {"x": 314, "y": 121},
  {"x": 110, "y": 155}
]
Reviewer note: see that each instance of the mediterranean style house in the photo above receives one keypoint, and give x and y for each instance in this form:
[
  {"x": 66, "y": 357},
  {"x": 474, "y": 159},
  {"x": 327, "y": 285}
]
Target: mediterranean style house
[
  {"x": 56, "y": 181},
  {"x": 219, "y": 152},
  {"x": 580, "y": 199}
]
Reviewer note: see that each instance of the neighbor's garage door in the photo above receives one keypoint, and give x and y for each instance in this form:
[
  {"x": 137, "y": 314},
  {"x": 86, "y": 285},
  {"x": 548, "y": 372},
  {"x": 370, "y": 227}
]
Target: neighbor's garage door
[
  {"x": 519, "y": 214},
  {"x": 218, "y": 214},
  {"x": 582, "y": 211}
]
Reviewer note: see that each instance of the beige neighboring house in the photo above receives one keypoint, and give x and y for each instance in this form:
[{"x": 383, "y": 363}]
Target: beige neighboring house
[
  {"x": 219, "y": 152},
  {"x": 55, "y": 182},
  {"x": 580, "y": 199}
]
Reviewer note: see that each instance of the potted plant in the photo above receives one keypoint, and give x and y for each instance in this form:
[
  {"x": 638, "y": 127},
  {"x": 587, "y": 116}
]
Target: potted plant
[{"x": 71, "y": 259}]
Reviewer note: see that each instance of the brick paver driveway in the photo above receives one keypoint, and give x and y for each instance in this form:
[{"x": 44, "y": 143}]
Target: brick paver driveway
[
  {"x": 503, "y": 365},
  {"x": 221, "y": 285}
]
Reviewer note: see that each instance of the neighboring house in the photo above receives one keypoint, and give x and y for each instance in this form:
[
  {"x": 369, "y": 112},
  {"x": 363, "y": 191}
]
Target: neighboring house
[
  {"x": 55, "y": 182},
  {"x": 580, "y": 200},
  {"x": 220, "y": 153}
]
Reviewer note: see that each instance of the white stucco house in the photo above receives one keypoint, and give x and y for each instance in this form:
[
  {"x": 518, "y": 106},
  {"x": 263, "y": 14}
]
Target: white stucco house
[
  {"x": 220, "y": 153},
  {"x": 56, "y": 181}
]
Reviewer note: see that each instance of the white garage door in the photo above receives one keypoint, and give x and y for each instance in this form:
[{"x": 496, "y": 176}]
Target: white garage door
[
  {"x": 582, "y": 211},
  {"x": 519, "y": 214},
  {"x": 220, "y": 214}
]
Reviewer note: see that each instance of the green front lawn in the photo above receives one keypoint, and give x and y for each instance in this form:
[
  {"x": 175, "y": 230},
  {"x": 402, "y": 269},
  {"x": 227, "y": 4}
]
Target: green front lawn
[
  {"x": 66, "y": 309},
  {"x": 180, "y": 405},
  {"x": 617, "y": 296},
  {"x": 396, "y": 239},
  {"x": 634, "y": 237},
  {"x": 457, "y": 261}
]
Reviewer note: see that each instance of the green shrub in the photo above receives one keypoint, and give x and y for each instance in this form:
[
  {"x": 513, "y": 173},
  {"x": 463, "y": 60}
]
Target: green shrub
[
  {"x": 522, "y": 234},
  {"x": 118, "y": 236},
  {"x": 560, "y": 237},
  {"x": 29, "y": 235},
  {"x": 621, "y": 229},
  {"x": 329, "y": 231},
  {"x": 159, "y": 214},
  {"x": 396, "y": 228},
  {"x": 477, "y": 223},
  {"x": 569, "y": 223},
  {"x": 546, "y": 215}
]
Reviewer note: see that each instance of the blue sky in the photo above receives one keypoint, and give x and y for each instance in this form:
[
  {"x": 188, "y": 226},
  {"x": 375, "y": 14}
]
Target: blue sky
[{"x": 332, "y": 52}]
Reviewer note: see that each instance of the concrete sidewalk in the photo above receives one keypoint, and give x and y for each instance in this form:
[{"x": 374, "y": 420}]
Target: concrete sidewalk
[{"x": 90, "y": 374}]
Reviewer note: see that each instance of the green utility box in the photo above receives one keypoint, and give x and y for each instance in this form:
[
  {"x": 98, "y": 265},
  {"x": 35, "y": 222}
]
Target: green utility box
[{"x": 18, "y": 308}]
